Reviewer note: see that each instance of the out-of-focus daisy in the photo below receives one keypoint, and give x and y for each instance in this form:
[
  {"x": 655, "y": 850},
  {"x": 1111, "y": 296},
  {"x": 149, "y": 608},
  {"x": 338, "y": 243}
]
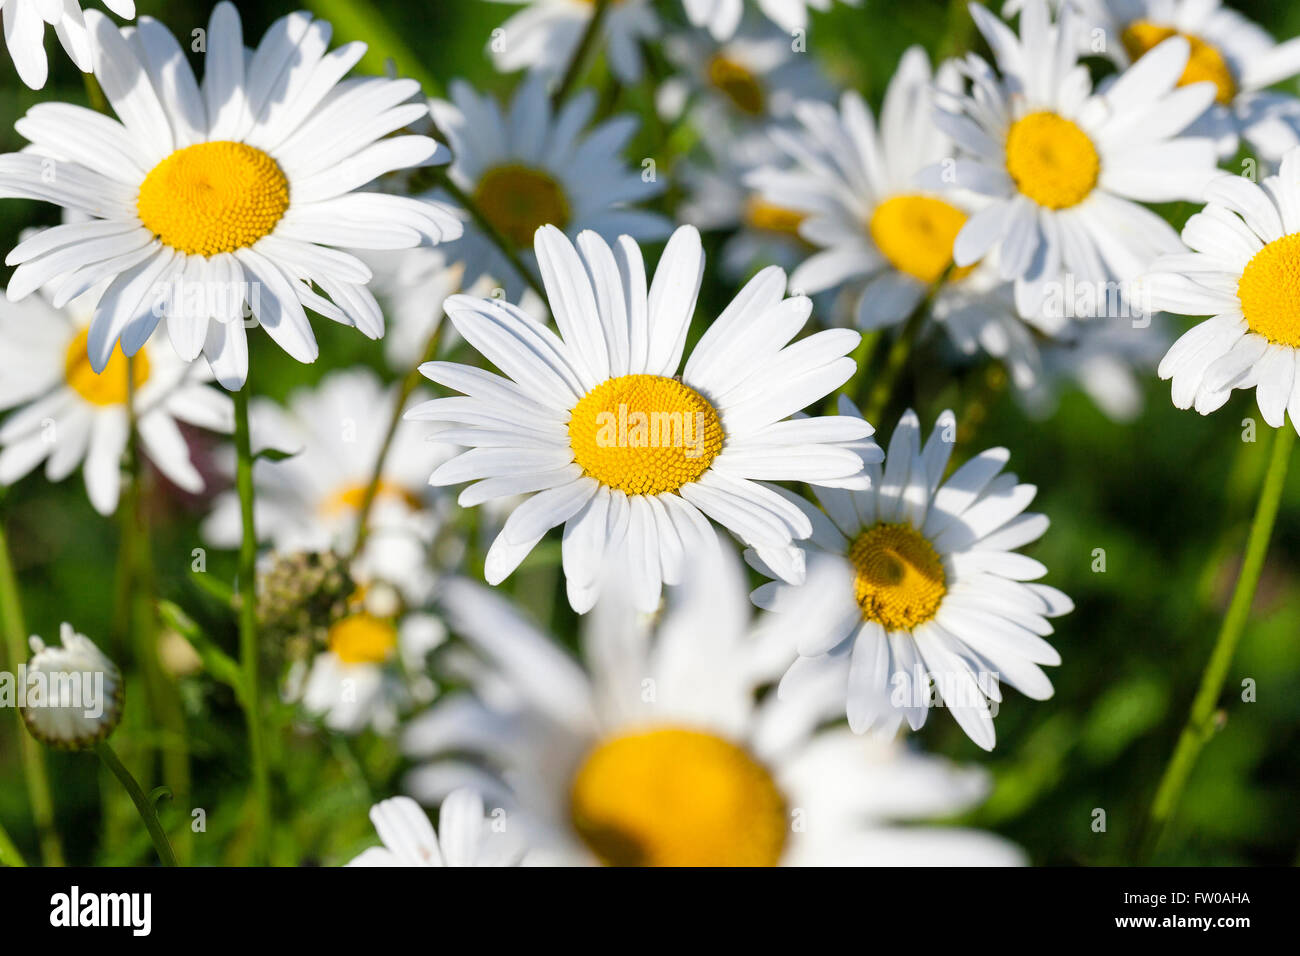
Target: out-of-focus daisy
[
  {"x": 1244, "y": 271},
  {"x": 531, "y": 167},
  {"x": 1238, "y": 56},
  {"x": 66, "y": 415},
  {"x": 545, "y": 35},
  {"x": 915, "y": 593},
  {"x": 230, "y": 193},
  {"x": 74, "y": 693},
  {"x": 1064, "y": 168},
  {"x": 24, "y": 26},
  {"x": 613, "y": 443},
  {"x": 722, "y": 17},
  {"x": 654, "y": 747},
  {"x": 311, "y": 500},
  {"x": 464, "y": 836}
]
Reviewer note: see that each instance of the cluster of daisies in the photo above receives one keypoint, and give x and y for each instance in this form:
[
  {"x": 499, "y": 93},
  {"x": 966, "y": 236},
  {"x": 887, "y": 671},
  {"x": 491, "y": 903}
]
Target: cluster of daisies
[{"x": 594, "y": 415}]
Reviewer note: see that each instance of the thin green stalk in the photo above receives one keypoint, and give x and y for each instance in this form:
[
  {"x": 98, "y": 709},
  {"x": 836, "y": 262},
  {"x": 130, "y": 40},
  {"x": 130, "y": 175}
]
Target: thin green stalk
[
  {"x": 408, "y": 386},
  {"x": 249, "y": 649},
  {"x": 353, "y": 20},
  {"x": 33, "y": 758},
  {"x": 464, "y": 200},
  {"x": 1203, "y": 719},
  {"x": 9, "y": 855},
  {"x": 581, "y": 52},
  {"x": 882, "y": 387},
  {"x": 148, "y": 813},
  {"x": 862, "y": 356}
]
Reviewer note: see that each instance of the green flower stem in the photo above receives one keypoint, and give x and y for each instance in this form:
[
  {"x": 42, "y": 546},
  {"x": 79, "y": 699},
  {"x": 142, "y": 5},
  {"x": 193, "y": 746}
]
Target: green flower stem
[
  {"x": 409, "y": 384},
  {"x": 882, "y": 388},
  {"x": 465, "y": 201},
  {"x": 34, "y": 772},
  {"x": 9, "y": 855},
  {"x": 359, "y": 20},
  {"x": 249, "y": 649},
  {"x": 1203, "y": 720},
  {"x": 581, "y": 53},
  {"x": 147, "y": 811}
]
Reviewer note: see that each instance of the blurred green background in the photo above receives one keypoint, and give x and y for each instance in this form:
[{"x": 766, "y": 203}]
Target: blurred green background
[{"x": 1167, "y": 497}]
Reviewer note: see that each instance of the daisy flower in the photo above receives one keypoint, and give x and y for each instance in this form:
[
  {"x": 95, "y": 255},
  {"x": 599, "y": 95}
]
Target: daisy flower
[
  {"x": 1235, "y": 54},
  {"x": 1064, "y": 168},
  {"x": 545, "y": 36},
  {"x": 311, "y": 500},
  {"x": 654, "y": 747},
  {"x": 66, "y": 415},
  {"x": 464, "y": 836},
  {"x": 1243, "y": 271},
  {"x": 229, "y": 194},
  {"x": 531, "y": 167},
  {"x": 722, "y": 17},
  {"x": 915, "y": 593},
  {"x": 598, "y": 426},
  {"x": 74, "y": 693},
  {"x": 24, "y": 26}
]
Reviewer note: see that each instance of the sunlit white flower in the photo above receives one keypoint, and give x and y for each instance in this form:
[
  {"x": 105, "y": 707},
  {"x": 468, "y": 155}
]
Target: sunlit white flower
[
  {"x": 207, "y": 200},
  {"x": 531, "y": 167},
  {"x": 1235, "y": 54},
  {"x": 74, "y": 693},
  {"x": 1064, "y": 168},
  {"x": 311, "y": 500},
  {"x": 1244, "y": 271},
  {"x": 24, "y": 26},
  {"x": 915, "y": 593},
  {"x": 66, "y": 415},
  {"x": 612, "y": 442},
  {"x": 464, "y": 836},
  {"x": 654, "y": 747},
  {"x": 722, "y": 17},
  {"x": 545, "y": 35}
]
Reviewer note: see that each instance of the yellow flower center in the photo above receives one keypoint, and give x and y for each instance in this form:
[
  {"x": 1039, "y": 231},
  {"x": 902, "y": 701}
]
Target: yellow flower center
[
  {"x": 518, "y": 200},
  {"x": 214, "y": 197},
  {"x": 644, "y": 434},
  {"x": 1051, "y": 160},
  {"x": 769, "y": 217},
  {"x": 1269, "y": 290},
  {"x": 352, "y": 497},
  {"x": 898, "y": 577},
  {"x": 363, "y": 639},
  {"x": 916, "y": 233},
  {"x": 676, "y": 797},
  {"x": 737, "y": 83},
  {"x": 109, "y": 387},
  {"x": 1205, "y": 65}
]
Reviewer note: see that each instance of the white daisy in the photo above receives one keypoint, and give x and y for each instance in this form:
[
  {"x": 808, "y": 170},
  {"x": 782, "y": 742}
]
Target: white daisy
[
  {"x": 621, "y": 449},
  {"x": 1235, "y": 54},
  {"x": 24, "y": 26},
  {"x": 66, "y": 415},
  {"x": 209, "y": 198},
  {"x": 1244, "y": 270},
  {"x": 1064, "y": 167},
  {"x": 531, "y": 167},
  {"x": 73, "y": 694},
  {"x": 655, "y": 748},
  {"x": 915, "y": 591},
  {"x": 311, "y": 500},
  {"x": 464, "y": 836},
  {"x": 722, "y": 17},
  {"x": 545, "y": 36}
]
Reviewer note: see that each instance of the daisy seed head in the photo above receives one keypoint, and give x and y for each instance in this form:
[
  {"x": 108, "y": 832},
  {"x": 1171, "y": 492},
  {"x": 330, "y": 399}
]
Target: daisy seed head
[
  {"x": 1269, "y": 290},
  {"x": 1052, "y": 160},
  {"x": 898, "y": 577},
  {"x": 302, "y": 596}
]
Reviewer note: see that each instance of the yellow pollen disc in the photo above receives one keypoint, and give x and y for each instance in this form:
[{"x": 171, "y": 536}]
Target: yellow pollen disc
[
  {"x": 518, "y": 201},
  {"x": 363, "y": 639},
  {"x": 738, "y": 84},
  {"x": 1205, "y": 65},
  {"x": 108, "y": 387},
  {"x": 898, "y": 577},
  {"x": 644, "y": 434},
  {"x": 1269, "y": 290},
  {"x": 769, "y": 217},
  {"x": 214, "y": 197},
  {"x": 916, "y": 233},
  {"x": 677, "y": 797},
  {"x": 1051, "y": 160},
  {"x": 352, "y": 497}
]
